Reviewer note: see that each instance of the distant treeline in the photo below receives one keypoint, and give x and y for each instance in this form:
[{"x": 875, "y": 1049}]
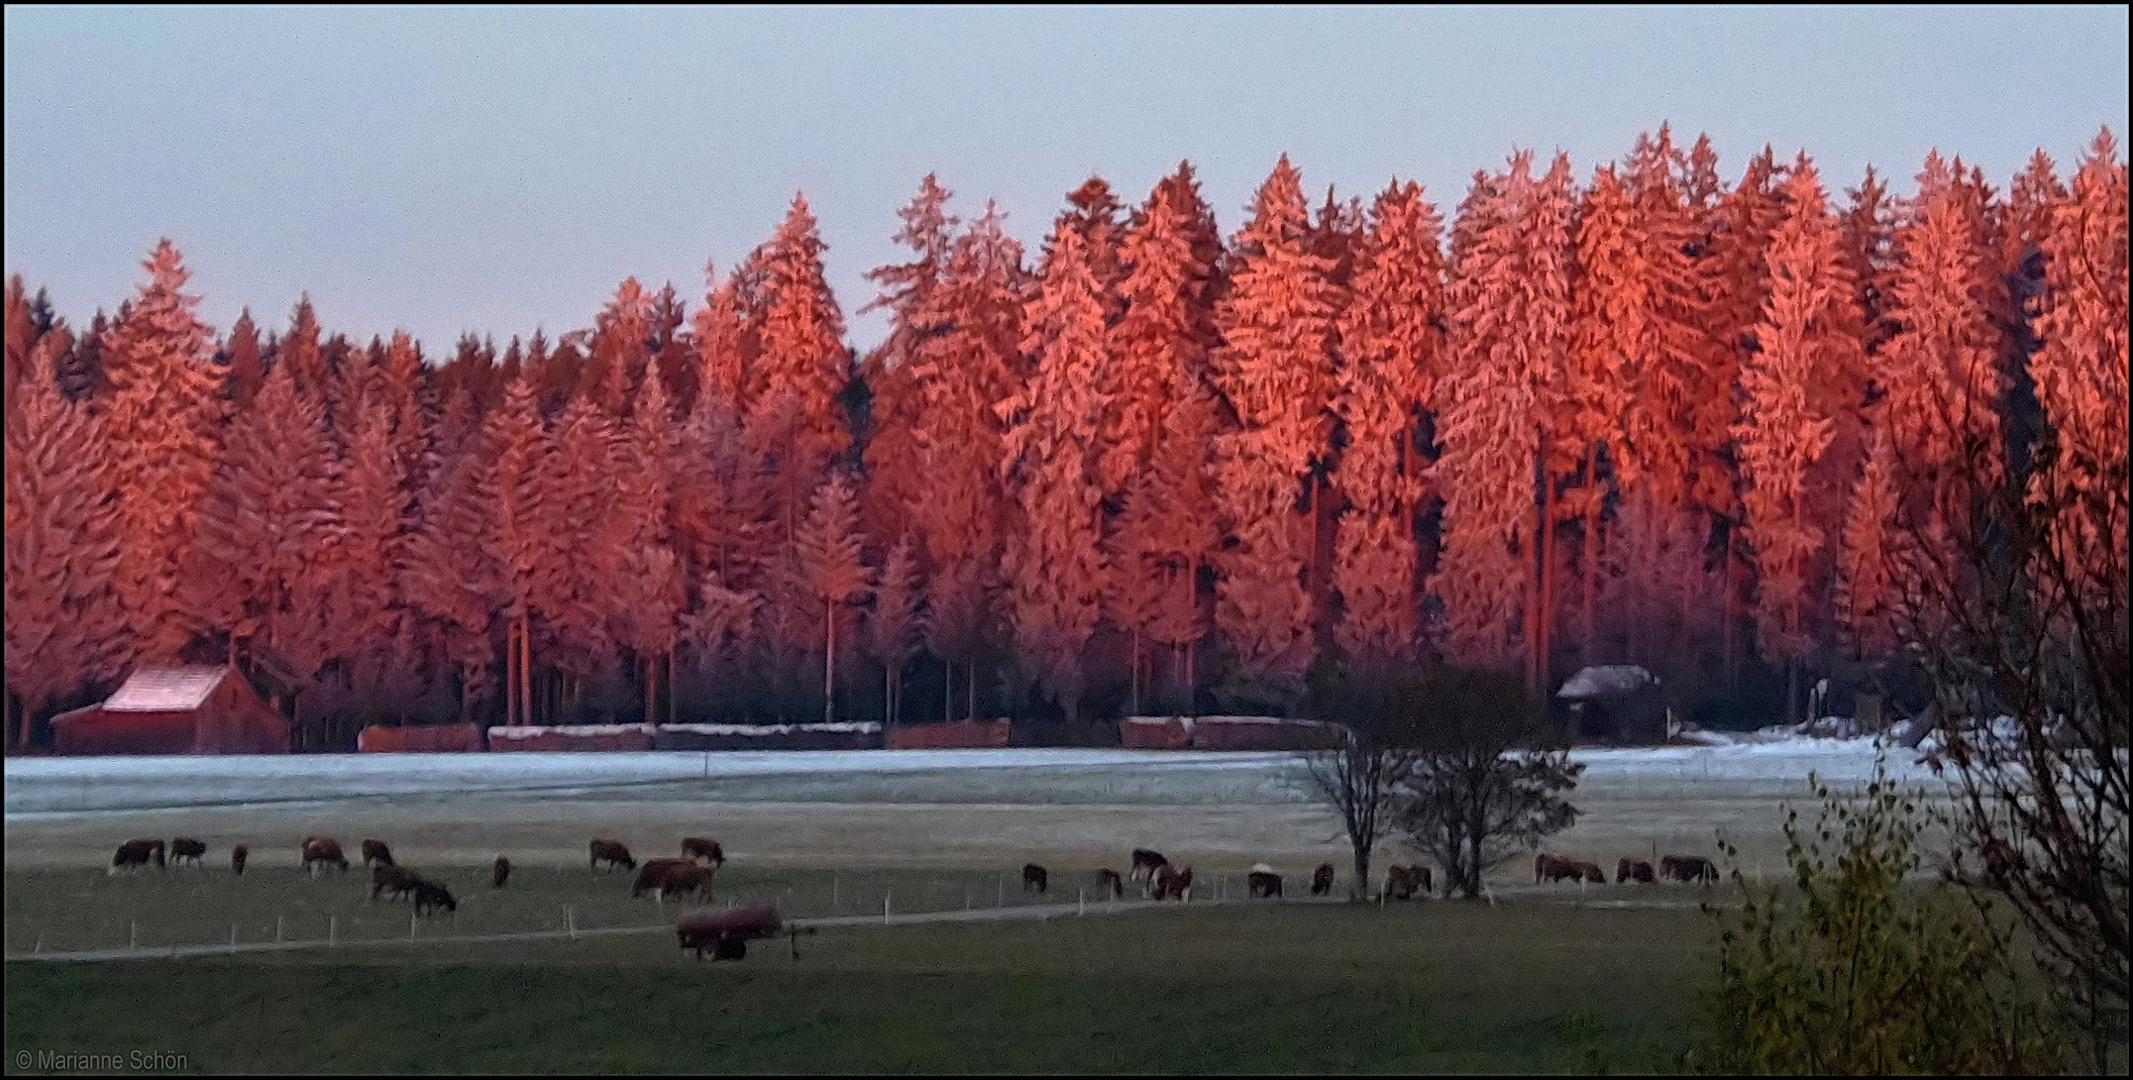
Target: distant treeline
[{"x": 1654, "y": 418}]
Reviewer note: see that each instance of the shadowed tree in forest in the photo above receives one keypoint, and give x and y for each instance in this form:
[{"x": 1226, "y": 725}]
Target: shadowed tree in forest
[{"x": 65, "y": 628}]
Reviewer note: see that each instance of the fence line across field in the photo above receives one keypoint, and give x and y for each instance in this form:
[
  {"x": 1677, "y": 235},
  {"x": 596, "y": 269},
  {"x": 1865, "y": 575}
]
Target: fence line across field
[{"x": 570, "y": 932}]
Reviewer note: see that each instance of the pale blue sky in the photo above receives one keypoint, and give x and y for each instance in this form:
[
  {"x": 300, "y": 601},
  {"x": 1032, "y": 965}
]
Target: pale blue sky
[{"x": 502, "y": 169}]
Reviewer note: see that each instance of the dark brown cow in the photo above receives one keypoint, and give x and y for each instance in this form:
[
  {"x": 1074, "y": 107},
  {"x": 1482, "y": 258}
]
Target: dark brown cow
[
  {"x": 1146, "y": 863},
  {"x": 613, "y": 853},
  {"x": 320, "y": 850},
  {"x": 1687, "y": 868},
  {"x": 662, "y": 876},
  {"x": 183, "y": 848},
  {"x": 1322, "y": 879},
  {"x": 1034, "y": 877},
  {"x": 1173, "y": 884},
  {"x": 1634, "y": 870},
  {"x": 503, "y": 871},
  {"x": 1263, "y": 882},
  {"x": 726, "y": 933},
  {"x": 703, "y": 851},
  {"x": 1107, "y": 880},
  {"x": 430, "y": 897},
  {"x": 136, "y": 853},
  {"x": 375, "y": 851},
  {"x": 1555, "y": 869},
  {"x": 397, "y": 880},
  {"x": 1406, "y": 882},
  {"x": 237, "y": 857}
]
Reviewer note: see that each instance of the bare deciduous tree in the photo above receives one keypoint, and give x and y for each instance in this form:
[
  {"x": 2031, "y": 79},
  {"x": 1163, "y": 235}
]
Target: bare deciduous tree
[{"x": 1488, "y": 776}]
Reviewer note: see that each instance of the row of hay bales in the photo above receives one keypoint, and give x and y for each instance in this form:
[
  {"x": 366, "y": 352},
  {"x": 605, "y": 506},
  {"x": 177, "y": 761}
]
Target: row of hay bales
[
  {"x": 1141, "y": 732},
  {"x": 457, "y": 738}
]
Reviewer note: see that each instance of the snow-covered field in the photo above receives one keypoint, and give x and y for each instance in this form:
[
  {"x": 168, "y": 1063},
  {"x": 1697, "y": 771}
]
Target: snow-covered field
[{"x": 41, "y": 787}]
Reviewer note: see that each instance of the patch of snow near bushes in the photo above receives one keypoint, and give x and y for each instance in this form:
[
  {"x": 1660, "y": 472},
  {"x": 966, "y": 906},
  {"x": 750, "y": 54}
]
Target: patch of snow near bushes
[
  {"x": 574, "y": 730},
  {"x": 848, "y": 727}
]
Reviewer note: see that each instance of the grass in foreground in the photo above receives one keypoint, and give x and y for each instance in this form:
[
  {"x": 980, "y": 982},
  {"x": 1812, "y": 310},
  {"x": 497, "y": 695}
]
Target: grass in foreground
[{"x": 1429, "y": 987}]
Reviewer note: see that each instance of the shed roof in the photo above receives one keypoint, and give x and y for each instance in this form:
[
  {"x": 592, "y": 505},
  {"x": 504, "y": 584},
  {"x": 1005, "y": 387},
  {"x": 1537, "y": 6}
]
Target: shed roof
[
  {"x": 1604, "y": 679},
  {"x": 177, "y": 689}
]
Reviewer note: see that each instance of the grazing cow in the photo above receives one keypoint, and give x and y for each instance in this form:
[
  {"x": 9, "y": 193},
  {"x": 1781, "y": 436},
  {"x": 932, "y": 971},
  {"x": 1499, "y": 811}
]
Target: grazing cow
[
  {"x": 237, "y": 857},
  {"x": 430, "y": 896},
  {"x": 375, "y": 851},
  {"x": 1556, "y": 869},
  {"x": 726, "y": 933},
  {"x": 1687, "y": 868},
  {"x": 704, "y": 851},
  {"x": 183, "y": 848},
  {"x": 613, "y": 853},
  {"x": 1034, "y": 877},
  {"x": 1263, "y": 882},
  {"x": 1107, "y": 880},
  {"x": 320, "y": 850},
  {"x": 1634, "y": 870},
  {"x": 1322, "y": 879},
  {"x": 1173, "y": 884},
  {"x": 662, "y": 876},
  {"x": 503, "y": 871},
  {"x": 1406, "y": 882},
  {"x": 135, "y": 853},
  {"x": 397, "y": 880},
  {"x": 1146, "y": 863}
]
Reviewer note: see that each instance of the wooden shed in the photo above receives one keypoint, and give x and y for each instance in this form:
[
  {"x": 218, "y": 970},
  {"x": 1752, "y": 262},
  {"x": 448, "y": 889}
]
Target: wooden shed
[
  {"x": 1614, "y": 702},
  {"x": 175, "y": 710}
]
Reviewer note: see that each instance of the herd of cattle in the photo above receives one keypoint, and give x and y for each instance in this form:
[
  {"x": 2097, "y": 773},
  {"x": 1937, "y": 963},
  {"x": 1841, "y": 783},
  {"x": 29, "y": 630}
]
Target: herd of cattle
[
  {"x": 725, "y": 934},
  {"x": 689, "y": 874}
]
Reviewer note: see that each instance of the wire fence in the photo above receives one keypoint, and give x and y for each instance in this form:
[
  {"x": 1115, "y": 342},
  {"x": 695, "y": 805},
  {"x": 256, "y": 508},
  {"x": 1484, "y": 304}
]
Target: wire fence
[
  {"x": 910, "y": 901},
  {"x": 134, "y": 950}
]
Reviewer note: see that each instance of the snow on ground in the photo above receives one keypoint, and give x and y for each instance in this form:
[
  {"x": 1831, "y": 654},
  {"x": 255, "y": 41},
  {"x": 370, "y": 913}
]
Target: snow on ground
[{"x": 40, "y": 787}]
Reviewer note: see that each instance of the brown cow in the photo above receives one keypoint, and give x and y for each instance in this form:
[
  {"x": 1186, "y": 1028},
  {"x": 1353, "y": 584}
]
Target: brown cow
[
  {"x": 1146, "y": 863},
  {"x": 613, "y": 853},
  {"x": 1555, "y": 868},
  {"x": 503, "y": 870},
  {"x": 1034, "y": 877},
  {"x": 1592, "y": 872},
  {"x": 1263, "y": 882},
  {"x": 182, "y": 848},
  {"x": 726, "y": 934},
  {"x": 136, "y": 853},
  {"x": 1173, "y": 884},
  {"x": 320, "y": 850},
  {"x": 430, "y": 896},
  {"x": 1634, "y": 870},
  {"x": 1687, "y": 868},
  {"x": 703, "y": 850},
  {"x": 1406, "y": 882},
  {"x": 237, "y": 857},
  {"x": 662, "y": 876},
  {"x": 376, "y": 851},
  {"x": 1107, "y": 880},
  {"x": 1322, "y": 879},
  {"x": 397, "y": 880}
]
